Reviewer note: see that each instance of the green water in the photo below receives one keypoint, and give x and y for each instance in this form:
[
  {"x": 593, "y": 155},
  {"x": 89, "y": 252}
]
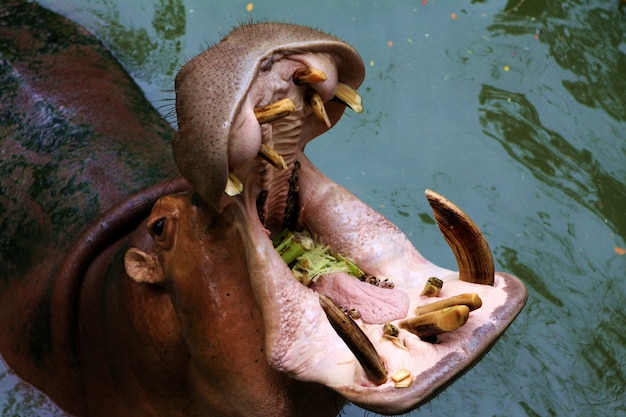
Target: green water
[{"x": 514, "y": 110}]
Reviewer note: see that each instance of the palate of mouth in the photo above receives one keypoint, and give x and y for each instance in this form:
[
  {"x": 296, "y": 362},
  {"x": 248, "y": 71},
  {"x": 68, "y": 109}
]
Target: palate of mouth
[{"x": 371, "y": 303}]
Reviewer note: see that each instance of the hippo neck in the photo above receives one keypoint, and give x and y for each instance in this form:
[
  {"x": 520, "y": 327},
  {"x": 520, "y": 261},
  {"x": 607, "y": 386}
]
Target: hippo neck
[{"x": 107, "y": 229}]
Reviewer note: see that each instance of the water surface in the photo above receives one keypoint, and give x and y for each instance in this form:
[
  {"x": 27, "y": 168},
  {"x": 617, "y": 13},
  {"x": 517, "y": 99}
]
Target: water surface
[{"x": 516, "y": 111}]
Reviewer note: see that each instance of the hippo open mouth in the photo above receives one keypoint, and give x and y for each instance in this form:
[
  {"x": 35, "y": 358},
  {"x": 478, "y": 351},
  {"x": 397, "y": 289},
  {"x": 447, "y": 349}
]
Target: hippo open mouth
[{"x": 240, "y": 144}]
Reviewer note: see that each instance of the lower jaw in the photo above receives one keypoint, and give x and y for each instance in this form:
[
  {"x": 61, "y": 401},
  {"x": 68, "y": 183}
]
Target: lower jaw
[{"x": 301, "y": 341}]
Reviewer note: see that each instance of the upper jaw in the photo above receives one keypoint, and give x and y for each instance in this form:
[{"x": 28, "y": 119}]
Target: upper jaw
[{"x": 207, "y": 108}]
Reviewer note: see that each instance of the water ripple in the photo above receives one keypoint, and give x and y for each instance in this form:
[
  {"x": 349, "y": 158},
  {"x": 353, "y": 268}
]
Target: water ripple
[
  {"x": 512, "y": 120},
  {"x": 586, "y": 41}
]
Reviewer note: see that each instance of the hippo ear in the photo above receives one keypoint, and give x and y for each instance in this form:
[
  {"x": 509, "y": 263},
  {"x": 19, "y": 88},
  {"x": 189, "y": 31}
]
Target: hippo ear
[{"x": 143, "y": 267}]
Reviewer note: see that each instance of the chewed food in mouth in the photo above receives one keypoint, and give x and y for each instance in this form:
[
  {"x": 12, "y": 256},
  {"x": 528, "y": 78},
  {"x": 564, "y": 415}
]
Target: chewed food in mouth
[
  {"x": 316, "y": 265},
  {"x": 355, "y": 307}
]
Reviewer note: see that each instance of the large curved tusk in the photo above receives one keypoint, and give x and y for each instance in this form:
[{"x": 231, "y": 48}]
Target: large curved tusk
[
  {"x": 468, "y": 244},
  {"x": 356, "y": 340}
]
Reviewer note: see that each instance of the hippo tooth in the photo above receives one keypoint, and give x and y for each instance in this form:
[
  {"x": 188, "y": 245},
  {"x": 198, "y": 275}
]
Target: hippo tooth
[
  {"x": 404, "y": 383},
  {"x": 273, "y": 157},
  {"x": 437, "y": 322},
  {"x": 356, "y": 340},
  {"x": 400, "y": 375},
  {"x": 274, "y": 111},
  {"x": 234, "y": 186},
  {"x": 349, "y": 96},
  {"x": 317, "y": 105},
  {"x": 432, "y": 288},
  {"x": 472, "y": 301},
  {"x": 309, "y": 76},
  {"x": 470, "y": 247}
]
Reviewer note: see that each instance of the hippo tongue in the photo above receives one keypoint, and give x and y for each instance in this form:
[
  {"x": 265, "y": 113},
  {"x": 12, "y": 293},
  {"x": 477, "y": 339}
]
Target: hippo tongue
[{"x": 374, "y": 304}]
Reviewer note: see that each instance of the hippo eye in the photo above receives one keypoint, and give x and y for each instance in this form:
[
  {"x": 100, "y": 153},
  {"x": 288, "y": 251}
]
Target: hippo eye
[{"x": 158, "y": 227}]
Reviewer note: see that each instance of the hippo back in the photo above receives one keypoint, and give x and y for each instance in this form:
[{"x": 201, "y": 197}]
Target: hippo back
[{"x": 77, "y": 137}]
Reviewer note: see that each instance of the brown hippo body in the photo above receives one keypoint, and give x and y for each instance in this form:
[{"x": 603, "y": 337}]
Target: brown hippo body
[{"x": 126, "y": 291}]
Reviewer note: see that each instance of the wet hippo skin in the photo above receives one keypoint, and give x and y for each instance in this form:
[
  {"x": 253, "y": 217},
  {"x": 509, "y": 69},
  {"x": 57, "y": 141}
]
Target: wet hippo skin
[{"x": 128, "y": 290}]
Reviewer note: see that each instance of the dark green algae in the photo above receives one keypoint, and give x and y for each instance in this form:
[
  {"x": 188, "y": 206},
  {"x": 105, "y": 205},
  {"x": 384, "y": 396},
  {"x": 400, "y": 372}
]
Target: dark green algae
[{"x": 58, "y": 169}]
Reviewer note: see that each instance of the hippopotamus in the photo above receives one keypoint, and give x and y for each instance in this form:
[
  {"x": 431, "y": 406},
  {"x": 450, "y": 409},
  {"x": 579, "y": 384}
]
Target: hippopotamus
[{"x": 140, "y": 266}]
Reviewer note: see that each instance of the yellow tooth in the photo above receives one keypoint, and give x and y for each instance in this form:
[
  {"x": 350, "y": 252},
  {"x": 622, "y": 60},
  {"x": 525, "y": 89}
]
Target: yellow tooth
[
  {"x": 400, "y": 375},
  {"x": 317, "y": 104},
  {"x": 471, "y": 300},
  {"x": 405, "y": 383},
  {"x": 233, "y": 186},
  {"x": 402, "y": 378},
  {"x": 273, "y": 157},
  {"x": 349, "y": 96},
  {"x": 437, "y": 322},
  {"x": 433, "y": 287},
  {"x": 274, "y": 111},
  {"x": 308, "y": 76},
  {"x": 396, "y": 341}
]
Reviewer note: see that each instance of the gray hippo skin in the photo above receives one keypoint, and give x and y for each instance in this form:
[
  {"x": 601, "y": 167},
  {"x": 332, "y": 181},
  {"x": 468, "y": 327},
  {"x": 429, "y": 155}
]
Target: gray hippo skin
[{"x": 126, "y": 290}]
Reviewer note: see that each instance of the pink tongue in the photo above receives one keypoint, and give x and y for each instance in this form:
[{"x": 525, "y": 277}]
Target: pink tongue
[{"x": 375, "y": 304}]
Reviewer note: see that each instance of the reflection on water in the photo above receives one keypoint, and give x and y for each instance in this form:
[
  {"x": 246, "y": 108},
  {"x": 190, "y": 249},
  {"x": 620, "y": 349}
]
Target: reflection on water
[
  {"x": 145, "y": 53},
  {"x": 21, "y": 400},
  {"x": 586, "y": 39},
  {"x": 575, "y": 340},
  {"x": 514, "y": 122}
]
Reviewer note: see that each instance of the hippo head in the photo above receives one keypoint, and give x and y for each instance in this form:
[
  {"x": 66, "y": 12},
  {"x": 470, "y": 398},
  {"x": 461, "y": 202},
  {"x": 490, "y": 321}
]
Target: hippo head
[{"x": 246, "y": 108}]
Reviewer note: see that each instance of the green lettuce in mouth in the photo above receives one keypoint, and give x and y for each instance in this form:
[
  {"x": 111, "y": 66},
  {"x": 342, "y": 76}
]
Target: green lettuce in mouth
[{"x": 308, "y": 259}]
